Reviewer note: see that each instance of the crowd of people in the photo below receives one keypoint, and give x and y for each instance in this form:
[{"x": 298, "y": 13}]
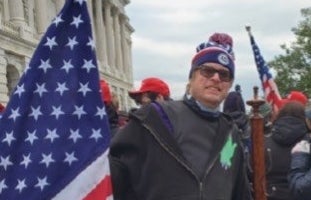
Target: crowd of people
[{"x": 190, "y": 149}]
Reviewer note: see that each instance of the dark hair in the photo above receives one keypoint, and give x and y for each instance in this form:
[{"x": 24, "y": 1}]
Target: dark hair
[
  {"x": 295, "y": 109},
  {"x": 151, "y": 95}
]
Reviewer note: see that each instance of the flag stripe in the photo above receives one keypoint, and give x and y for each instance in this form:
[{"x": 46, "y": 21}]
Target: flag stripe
[
  {"x": 269, "y": 87},
  {"x": 54, "y": 132},
  {"x": 88, "y": 180}
]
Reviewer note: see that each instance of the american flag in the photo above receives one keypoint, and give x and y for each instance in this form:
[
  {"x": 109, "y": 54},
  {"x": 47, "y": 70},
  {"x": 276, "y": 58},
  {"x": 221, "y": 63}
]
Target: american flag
[
  {"x": 54, "y": 133},
  {"x": 270, "y": 89}
]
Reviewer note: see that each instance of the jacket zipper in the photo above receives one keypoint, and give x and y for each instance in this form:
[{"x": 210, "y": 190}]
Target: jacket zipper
[
  {"x": 200, "y": 183},
  {"x": 207, "y": 171}
]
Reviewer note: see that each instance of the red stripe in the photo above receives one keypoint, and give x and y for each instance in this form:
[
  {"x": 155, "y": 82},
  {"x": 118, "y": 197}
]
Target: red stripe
[{"x": 102, "y": 191}]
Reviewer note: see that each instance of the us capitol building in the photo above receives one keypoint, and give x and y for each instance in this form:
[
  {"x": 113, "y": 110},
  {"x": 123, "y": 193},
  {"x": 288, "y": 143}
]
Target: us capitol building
[{"x": 23, "y": 23}]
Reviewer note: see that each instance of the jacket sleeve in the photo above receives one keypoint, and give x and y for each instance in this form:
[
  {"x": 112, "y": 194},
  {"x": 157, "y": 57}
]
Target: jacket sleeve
[
  {"x": 123, "y": 151},
  {"x": 300, "y": 175}
]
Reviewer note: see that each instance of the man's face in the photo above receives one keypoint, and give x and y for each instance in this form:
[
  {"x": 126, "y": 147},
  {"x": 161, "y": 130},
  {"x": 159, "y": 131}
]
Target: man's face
[
  {"x": 210, "y": 84},
  {"x": 145, "y": 99}
]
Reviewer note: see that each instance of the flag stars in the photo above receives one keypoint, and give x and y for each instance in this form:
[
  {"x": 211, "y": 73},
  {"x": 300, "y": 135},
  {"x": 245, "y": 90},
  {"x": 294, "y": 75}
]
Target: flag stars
[
  {"x": 51, "y": 42},
  {"x": 88, "y": 65},
  {"x": 61, "y": 88},
  {"x": 51, "y": 135},
  {"x": 14, "y": 114},
  {"x": 57, "y": 111},
  {"x": 9, "y": 138},
  {"x": 26, "y": 160},
  {"x": 45, "y": 65},
  {"x": 35, "y": 112},
  {"x": 67, "y": 66},
  {"x": 72, "y": 42},
  {"x": 58, "y": 19},
  {"x": 80, "y": 1},
  {"x": 79, "y": 111},
  {"x": 91, "y": 43},
  {"x": 42, "y": 183},
  {"x": 40, "y": 89},
  {"x": 101, "y": 112},
  {"x": 2, "y": 185},
  {"x": 5, "y": 162},
  {"x": 76, "y": 21},
  {"x": 96, "y": 134},
  {"x": 20, "y": 185},
  {"x": 74, "y": 135},
  {"x": 70, "y": 158},
  {"x": 31, "y": 137},
  {"x": 84, "y": 88},
  {"x": 47, "y": 159},
  {"x": 19, "y": 90}
]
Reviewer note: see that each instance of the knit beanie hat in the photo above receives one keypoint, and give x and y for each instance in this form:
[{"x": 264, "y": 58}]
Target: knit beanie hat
[{"x": 218, "y": 49}]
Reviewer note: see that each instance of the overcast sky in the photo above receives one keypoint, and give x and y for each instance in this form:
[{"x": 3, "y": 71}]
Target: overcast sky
[{"x": 167, "y": 32}]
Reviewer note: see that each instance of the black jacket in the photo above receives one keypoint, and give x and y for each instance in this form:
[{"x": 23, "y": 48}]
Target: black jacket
[
  {"x": 285, "y": 133},
  {"x": 148, "y": 164}
]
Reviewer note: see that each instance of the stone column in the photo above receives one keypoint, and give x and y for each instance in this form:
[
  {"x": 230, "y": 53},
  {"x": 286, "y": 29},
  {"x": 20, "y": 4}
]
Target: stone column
[
  {"x": 17, "y": 12},
  {"x": 100, "y": 33},
  {"x": 124, "y": 45},
  {"x": 117, "y": 39},
  {"x": 31, "y": 14},
  {"x": 3, "y": 77},
  {"x": 41, "y": 16},
  {"x": 90, "y": 5},
  {"x": 59, "y": 5},
  {"x": 109, "y": 34}
]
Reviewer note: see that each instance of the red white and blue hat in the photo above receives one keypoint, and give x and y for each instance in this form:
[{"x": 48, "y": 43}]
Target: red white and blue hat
[{"x": 217, "y": 50}]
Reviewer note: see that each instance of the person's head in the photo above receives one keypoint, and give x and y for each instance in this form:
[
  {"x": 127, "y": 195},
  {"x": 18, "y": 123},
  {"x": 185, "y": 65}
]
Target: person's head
[
  {"x": 237, "y": 88},
  {"x": 212, "y": 70},
  {"x": 151, "y": 89},
  {"x": 292, "y": 108},
  {"x": 105, "y": 92},
  {"x": 232, "y": 103}
]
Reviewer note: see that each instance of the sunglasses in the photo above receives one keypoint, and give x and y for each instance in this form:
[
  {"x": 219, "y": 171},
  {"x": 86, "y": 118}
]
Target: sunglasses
[{"x": 209, "y": 72}]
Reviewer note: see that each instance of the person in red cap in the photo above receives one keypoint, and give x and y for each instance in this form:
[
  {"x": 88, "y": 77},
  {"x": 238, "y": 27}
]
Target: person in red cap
[
  {"x": 184, "y": 149},
  {"x": 111, "y": 109},
  {"x": 152, "y": 89},
  {"x": 297, "y": 96}
]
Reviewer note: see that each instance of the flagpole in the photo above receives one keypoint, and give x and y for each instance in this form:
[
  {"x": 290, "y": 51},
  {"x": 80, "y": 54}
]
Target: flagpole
[{"x": 257, "y": 151}]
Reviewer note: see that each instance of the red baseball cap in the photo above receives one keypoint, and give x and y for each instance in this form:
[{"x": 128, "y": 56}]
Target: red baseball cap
[
  {"x": 297, "y": 96},
  {"x": 105, "y": 91},
  {"x": 152, "y": 84}
]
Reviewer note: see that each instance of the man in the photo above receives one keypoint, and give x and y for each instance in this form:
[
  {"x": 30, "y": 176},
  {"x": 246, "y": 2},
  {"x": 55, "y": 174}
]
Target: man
[
  {"x": 186, "y": 149},
  {"x": 234, "y": 101},
  {"x": 234, "y": 106},
  {"x": 152, "y": 89}
]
